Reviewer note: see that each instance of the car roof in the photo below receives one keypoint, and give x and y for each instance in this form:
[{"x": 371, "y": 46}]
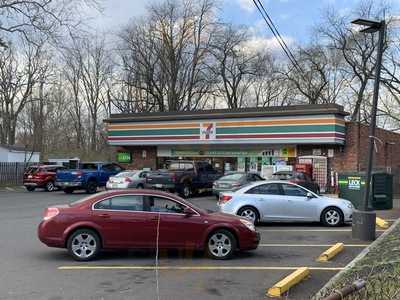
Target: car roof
[{"x": 261, "y": 182}]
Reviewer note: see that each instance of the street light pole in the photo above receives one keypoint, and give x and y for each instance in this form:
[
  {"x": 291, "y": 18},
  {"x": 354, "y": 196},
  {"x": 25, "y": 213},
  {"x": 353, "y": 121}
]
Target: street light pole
[{"x": 364, "y": 219}]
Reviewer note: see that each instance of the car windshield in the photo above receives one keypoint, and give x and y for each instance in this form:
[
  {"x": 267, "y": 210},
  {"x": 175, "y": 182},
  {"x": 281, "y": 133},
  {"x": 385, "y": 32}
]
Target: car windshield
[
  {"x": 232, "y": 177},
  {"x": 32, "y": 170}
]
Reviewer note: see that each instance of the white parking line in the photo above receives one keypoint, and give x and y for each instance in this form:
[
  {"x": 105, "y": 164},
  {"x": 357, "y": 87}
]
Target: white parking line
[{"x": 194, "y": 268}]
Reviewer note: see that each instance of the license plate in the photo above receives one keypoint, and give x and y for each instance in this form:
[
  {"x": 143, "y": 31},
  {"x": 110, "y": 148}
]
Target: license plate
[{"x": 159, "y": 186}]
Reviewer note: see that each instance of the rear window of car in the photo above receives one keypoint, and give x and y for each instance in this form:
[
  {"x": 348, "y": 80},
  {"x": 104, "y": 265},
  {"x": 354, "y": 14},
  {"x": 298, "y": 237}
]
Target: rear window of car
[
  {"x": 126, "y": 174},
  {"x": 235, "y": 176},
  {"x": 32, "y": 170},
  {"x": 174, "y": 166},
  {"x": 89, "y": 166}
]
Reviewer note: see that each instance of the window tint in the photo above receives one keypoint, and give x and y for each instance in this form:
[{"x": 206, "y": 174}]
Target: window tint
[
  {"x": 234, "y": 176},
  {"x": 265, "y": 189},
  {"x": 292, "y": 190},
  {"x": 131, "y": 203},
  {"x": 89, "y": 166},
  {"x": 106, "y": 204},
  {"x": 158, "y": 204}
]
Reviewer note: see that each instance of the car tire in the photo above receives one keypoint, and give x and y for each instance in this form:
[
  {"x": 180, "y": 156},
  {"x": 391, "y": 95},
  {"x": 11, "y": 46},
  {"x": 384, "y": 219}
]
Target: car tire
[
  {"x": 250, "y": 213},
  {"x": 332, "y": 217},
  {"x": 91, "y": 187},
  {"x": 84, "y": 244},
  {"x": 30, "y": 188},
  {"x": 50, "y": 187},
  {"x": 221, "y": 244},
  {"x": 186, "y": 191},
  {"x": 68, "y": 190}
]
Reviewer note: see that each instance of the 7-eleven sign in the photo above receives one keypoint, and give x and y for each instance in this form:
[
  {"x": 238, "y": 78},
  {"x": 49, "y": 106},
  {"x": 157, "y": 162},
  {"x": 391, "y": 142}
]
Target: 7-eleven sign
[{"x": 207, "y": 131}]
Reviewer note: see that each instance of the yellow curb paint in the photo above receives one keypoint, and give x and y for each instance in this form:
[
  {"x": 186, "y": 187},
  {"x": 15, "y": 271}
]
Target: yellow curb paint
[
  {"x": 286, "y": 283},
  {"x": 382, "y": 223},
  {"x": 310, "y": 230},
  {"x": 193, "y": 268},
  {"x": 310, "y": 245},
  {"x": 331, "y": 252}
]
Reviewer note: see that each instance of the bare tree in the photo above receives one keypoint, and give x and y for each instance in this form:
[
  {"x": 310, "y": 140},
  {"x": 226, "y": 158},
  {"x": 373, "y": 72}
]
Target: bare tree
[{"x": 19, "y": 73}]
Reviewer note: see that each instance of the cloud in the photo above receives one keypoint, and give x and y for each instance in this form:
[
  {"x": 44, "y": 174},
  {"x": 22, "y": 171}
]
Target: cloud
[
  {"x": 261, "y": 44},
  {"x": 246, "y": 5}
]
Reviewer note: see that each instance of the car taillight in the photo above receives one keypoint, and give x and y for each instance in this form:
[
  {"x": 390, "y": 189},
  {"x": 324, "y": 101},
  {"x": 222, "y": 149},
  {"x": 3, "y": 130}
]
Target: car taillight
[
  {"x": 127, "y": 179},
  {"x": 173, "y": 177},
  {"x": 77, "y": 173},
  {"x": 224, "y": 198},
  {"x": 235, "y": 184},
  {"x": 50, "y": 213}
]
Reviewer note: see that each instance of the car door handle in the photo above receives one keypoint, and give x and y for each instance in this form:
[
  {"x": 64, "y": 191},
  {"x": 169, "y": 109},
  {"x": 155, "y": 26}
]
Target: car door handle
[
  {"x": 154, "y": 218},
  {"x": 104, "y": 216}
]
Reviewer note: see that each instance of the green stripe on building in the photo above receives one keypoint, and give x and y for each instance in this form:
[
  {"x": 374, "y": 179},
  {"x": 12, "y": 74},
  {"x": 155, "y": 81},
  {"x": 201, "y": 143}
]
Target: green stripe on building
[
  {"x": 281, "y": 129},
  {"x": 155, "y": 132}
]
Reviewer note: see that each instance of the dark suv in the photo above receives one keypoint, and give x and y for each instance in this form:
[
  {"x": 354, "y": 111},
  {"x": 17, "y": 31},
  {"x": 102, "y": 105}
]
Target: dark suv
[
  {"x": 41, "y": 176},
  {"x": 299, "y": 178}
]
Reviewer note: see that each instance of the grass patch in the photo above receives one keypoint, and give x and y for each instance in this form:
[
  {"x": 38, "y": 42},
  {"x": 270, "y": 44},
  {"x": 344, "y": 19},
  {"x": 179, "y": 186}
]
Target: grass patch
[{"x": 380, "y": 268}]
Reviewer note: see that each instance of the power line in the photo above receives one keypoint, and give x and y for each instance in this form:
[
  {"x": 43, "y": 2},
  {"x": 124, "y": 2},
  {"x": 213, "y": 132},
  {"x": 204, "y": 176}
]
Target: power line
[{"x": 276, "y": 34}]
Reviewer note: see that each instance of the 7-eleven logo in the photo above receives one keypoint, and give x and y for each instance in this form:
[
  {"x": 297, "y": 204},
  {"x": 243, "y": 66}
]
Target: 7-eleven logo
[{"x": 207, "y": 131}]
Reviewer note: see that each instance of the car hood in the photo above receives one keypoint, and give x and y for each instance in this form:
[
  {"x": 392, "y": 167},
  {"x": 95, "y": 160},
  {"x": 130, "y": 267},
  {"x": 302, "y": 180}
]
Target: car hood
[
  {"x": 219, "y": 216},
  {"x": 335, "y": 200}
]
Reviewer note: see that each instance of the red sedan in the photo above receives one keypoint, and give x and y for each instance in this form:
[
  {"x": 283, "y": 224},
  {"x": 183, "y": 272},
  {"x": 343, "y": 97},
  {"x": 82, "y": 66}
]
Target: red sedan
[{"x": 129, "y": 219}]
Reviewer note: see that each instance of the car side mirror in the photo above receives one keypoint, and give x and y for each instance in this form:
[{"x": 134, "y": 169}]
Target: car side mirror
[
  {"x": 310, "y": 195},
  {"x": 188, "y": 211}
]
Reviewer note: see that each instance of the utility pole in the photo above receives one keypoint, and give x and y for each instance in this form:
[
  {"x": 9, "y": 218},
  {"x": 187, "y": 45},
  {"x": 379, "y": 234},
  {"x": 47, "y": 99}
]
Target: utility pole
[{"x": 364, "y": 219}]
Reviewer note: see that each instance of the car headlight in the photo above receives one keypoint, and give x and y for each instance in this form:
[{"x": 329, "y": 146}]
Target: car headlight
[
  {"x": 350, "y": 205},
  {"x": 248, "y": 224}
]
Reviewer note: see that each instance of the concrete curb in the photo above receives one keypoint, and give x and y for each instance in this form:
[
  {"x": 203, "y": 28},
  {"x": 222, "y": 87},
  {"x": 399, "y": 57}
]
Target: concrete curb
[{"x": 363, "y": 253}]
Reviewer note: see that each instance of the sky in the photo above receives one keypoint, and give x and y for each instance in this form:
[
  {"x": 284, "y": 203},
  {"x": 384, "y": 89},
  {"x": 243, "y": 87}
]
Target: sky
[{"x": 294, "y": 19}]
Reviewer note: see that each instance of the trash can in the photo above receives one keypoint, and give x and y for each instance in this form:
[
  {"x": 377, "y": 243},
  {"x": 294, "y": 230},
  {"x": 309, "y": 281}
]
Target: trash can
[
  {"x": 382, "y": 191},
  {"x": 352, "y": 187}
]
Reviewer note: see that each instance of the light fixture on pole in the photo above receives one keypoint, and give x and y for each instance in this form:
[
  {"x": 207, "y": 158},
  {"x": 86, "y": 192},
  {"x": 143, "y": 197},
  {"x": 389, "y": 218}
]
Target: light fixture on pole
[{"x": 364, "y": 219}]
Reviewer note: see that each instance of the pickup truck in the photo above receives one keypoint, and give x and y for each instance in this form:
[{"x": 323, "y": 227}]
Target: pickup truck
[
  {"x": 88, "y": 177},
  {"x": 184, "y": 177}
]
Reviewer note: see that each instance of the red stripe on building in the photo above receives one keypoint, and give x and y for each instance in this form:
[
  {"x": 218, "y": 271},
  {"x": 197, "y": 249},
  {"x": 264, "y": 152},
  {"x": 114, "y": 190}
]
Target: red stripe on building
[
  {"x": 151, "y": 138},
  {"x": 271, "y": 136}
]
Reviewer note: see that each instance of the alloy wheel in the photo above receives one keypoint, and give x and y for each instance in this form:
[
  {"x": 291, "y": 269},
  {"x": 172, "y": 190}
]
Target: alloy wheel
[
  {"x": 249, "y": 214},
  {"x": 220, "y": 245},
  {"x": 84, "y": 245},
  {"x": 332, "y": 217},
  {"x": 186, "y": 191},
  {"x": 50, "y": 186}
]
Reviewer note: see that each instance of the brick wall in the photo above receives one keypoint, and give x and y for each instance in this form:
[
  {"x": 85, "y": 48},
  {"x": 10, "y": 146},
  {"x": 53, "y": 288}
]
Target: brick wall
[{"x": 138, "y": 161}]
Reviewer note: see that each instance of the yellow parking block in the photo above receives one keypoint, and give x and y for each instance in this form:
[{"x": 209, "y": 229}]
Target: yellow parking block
[
  {"x": 331, "y": 252},
  {"x": 382, "y": 223},
  {"x": 286, "y": 283}
]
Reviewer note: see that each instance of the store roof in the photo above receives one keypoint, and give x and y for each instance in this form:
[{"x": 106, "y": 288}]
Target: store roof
[{"x": 294, "y": 110}]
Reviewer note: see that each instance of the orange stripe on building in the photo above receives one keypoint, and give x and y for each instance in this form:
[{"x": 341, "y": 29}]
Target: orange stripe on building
[{"x": 154, "y": 126}]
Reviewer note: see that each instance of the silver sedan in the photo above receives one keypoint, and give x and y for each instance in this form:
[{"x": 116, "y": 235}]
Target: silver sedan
[
  {"x": 269, "y": 201},
  {"x": 127, "y": 179}
]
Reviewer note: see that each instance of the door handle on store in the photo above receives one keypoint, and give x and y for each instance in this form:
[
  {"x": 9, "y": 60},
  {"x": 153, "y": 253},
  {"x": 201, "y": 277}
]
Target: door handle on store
[{"x": 105, "y": 216}]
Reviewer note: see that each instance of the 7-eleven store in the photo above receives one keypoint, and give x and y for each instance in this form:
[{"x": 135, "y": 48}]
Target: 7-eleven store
[{"x": 261, "y": 140}]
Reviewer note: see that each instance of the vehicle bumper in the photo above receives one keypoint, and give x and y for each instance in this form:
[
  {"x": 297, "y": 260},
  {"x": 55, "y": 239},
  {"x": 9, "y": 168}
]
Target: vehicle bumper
[
  {"x": 35, "y": 183},
  {"x": 160, "y": 186},
  {"x": 217, "y": 191},
  {"x": 113, "y": 186},
  {"x": 31, "y": 184},
  {"x": 250, "y": 241},
  {"x": 46, "y": 237},
  {"x": 64, "y": 184}
]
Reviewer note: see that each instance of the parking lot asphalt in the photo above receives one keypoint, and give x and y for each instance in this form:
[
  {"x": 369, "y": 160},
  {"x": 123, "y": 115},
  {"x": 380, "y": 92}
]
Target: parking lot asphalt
[{"x": 30, "y": 270}]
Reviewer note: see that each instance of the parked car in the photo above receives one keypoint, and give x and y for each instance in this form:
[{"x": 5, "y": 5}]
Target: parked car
[
  {"x": 234, "y": 181},
  {"x": 299, "y": 178},
  {"x": 126, "y": 219},
  {"x": 41, "y": 176},
  {"x": 89, "y": 176},
  {"x": 127, "y": 179},
  {"x": 285, "y": 201},
  {"x": 184, "y": 177}
]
